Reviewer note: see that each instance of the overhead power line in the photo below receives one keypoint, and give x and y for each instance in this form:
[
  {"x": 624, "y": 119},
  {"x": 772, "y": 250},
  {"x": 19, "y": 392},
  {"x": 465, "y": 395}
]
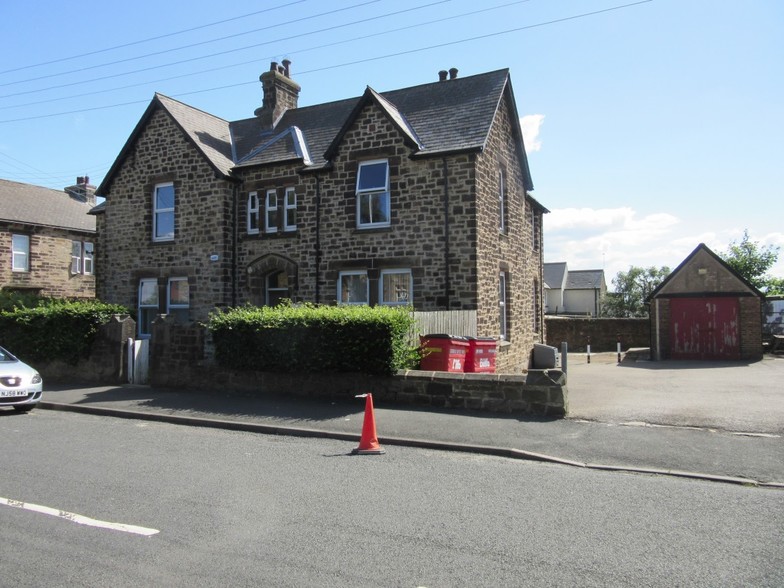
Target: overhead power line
[
  {"x": 346, "y": 64},
  {"x": 149, "y": 39},
  {"x": 209, "y": 55},
  {"x": 290, "y": 52},
  {"x": 207, "y": 42}
]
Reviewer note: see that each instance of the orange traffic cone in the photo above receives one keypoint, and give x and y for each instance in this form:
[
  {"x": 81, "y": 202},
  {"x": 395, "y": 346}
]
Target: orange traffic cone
[{"x": 368, "y": 442}]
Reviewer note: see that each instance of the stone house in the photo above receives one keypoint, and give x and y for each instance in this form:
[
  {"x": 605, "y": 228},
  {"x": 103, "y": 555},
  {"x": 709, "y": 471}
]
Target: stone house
[
  {"x": 705, "y": 310},
  {"x": 418, "y": 196},
  {"x": 48, "y": 237}
]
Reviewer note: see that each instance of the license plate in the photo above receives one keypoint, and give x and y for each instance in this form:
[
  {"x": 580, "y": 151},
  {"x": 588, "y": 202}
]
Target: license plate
[{"x": 12, "y": 393}]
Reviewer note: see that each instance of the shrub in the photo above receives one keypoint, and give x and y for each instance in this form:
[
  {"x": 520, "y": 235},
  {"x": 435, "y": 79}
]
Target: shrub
[
  {"x": 56, "y": 330},
  {"x": 314, "y": 339},
  {"x": 11, "y": 299}
]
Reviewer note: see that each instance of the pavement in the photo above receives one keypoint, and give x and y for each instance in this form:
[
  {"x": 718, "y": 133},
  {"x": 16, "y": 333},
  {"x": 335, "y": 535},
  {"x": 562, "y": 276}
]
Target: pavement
[{"x": 713, "y": 421}]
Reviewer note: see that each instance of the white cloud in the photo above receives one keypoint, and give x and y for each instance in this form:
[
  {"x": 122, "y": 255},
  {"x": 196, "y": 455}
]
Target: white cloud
[
  {"x": 531, "y": 125},
  {"x": 613, "y": 239}
]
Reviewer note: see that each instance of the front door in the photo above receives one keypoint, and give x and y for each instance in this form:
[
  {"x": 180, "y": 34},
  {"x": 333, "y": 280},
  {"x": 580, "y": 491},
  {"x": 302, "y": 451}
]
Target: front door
[{"x": 704, "y": 328}]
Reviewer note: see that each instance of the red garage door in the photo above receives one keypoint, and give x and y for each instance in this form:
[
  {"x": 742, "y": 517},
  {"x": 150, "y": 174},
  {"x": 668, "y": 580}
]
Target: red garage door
[{"x": 704, "y": 328}]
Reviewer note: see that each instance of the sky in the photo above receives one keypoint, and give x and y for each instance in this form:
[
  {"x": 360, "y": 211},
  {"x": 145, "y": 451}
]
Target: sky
[{"x": 650, "y": 127}]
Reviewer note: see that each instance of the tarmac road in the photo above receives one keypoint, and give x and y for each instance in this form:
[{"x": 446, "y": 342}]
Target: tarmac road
[
  {"x": 712, "y": 421},
  {"x": 730, "y": 396}
]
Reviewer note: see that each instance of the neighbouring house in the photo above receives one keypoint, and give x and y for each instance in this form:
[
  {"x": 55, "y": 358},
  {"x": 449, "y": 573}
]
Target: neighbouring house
[
  {"x": 418, "y": 196},
  {"x": 573, "y": 292},
  {"x": 706, "y": 310},
  {"x": 48, "y": 237}
]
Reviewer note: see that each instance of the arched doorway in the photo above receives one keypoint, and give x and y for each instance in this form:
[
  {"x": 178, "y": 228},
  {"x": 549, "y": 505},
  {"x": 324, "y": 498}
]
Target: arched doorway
[{"x": 271, "y": 278}]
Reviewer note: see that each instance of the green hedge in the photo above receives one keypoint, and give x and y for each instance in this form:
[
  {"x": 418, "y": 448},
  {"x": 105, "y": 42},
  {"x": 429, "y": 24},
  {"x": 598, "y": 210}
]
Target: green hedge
[
  {"x": 311, "y": 339},
  {"x": 56, "y": 330}
]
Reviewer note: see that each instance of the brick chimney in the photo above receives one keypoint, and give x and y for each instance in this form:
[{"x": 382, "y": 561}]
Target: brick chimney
[
  {"x": 82, "y": 190},
  {"x": 280, "y": 93}
]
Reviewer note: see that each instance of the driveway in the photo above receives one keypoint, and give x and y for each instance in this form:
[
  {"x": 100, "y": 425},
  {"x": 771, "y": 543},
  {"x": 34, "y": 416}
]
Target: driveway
[{"x": 730, "y": 396}]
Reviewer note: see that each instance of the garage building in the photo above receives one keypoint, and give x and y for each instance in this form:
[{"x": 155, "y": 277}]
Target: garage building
[{"x": 705, "y": 310}]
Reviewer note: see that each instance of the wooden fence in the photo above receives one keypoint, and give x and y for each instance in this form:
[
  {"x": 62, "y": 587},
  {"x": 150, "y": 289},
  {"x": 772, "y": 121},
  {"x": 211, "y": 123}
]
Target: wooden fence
[{"x": 450, "y": 322}]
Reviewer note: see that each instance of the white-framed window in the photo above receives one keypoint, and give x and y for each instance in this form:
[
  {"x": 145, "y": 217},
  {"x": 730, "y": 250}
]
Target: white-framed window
[
  {"x": 290, "y": 210},
  {"x": 88, "y": 265},
  {"x": 373, "y": 194},
  {"x": 178, "y": 299},
  {"x": 353, "y": 288},
  {"x": 253, "y": 213},
  {"x": 20, "y": 253},
  {"x": 503, "y": 307},
  {"x": 395, "y": 287},
  {"x": 163, "y": 212},
  {"x": 501, "y": 201},
  {"x": 76, "y": 257},
  {"x": 271, "y": 212},
  {"x": 148, "y": 306},
  {"x": 277, "y": 288},
  {"x": 82, "y": 258}
]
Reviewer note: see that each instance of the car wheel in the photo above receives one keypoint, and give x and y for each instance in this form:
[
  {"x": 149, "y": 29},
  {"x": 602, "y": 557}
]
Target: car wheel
[{"x": 24, "y": 408}]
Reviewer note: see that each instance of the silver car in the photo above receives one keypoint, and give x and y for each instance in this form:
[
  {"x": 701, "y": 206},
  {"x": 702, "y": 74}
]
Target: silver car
[{"x": 20, "y": 385}]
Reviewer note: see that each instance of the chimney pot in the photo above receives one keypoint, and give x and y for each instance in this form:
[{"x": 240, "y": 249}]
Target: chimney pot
[
  {"x": 286, "y": 67},
  {"x": 453, "y": 73},
  {"x": 273, "y": 66},
  {"x": 442, "y": 75},
  {"x": 79, "y": 180}
]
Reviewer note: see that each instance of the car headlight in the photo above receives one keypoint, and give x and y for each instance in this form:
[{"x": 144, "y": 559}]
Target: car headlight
[{"x": 37, "y": 378}]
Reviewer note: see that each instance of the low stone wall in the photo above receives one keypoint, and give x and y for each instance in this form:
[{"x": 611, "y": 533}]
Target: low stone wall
[
  {"x": 485, "y": 392},
  {"x": 178, "y": 360},
  {"x": 603, "y": 333},
  {"x": 107, "y": 363}
]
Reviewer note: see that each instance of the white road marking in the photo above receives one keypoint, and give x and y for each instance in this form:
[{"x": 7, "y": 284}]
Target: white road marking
[{"x": 79, "y": 519}]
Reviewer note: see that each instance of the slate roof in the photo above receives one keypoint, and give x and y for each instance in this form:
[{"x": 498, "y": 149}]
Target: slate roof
[
  {"x": 584, "y": 279},
  {"x": 436, "y": 118},
  {"x": 36, "y": 205},
  {"x": 554, "y": 275}
]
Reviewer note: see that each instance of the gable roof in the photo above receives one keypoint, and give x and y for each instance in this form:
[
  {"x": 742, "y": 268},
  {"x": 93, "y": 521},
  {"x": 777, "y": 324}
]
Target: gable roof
[
  {"x": 702, "y": 248},
  {"x": 208, "y": 133},
  {"x": 554, "y": 275},
  {"x": 584, "y": 279},
  {"x": 36, "y": 205},
  {"x": 435, "y": 118}
]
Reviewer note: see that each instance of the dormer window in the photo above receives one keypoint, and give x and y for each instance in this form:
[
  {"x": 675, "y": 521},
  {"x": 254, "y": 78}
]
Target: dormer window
[{"x": 373, "y": 194}]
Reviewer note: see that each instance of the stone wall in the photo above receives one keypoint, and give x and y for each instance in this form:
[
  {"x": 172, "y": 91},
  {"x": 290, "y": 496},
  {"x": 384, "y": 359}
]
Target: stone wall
[
  {"x": 179, "y": 359},
  {"x": 510, "y": 250},
  {"x": 604, "y": 333},
  {"x": 49, "y": 262},
  {"x": 107, "y": 363}
]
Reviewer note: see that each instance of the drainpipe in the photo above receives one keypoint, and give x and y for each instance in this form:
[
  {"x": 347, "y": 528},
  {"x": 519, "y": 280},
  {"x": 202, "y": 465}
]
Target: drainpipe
[
  {"x": 447, "y": 277},
  {"x": 318, "y": 239},
  {"x": 234, "y": 242}
]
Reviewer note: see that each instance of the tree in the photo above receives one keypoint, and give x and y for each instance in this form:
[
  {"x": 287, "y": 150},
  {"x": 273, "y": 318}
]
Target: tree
[
  {"x": 631, "y": 290},
  {"x": 753, "y": 262}
]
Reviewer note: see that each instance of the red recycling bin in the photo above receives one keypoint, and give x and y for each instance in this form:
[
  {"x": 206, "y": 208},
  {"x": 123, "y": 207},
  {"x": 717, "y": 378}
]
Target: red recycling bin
[
  {"x": 443, "y": 353},
  {"x": 481, "y": 355}
]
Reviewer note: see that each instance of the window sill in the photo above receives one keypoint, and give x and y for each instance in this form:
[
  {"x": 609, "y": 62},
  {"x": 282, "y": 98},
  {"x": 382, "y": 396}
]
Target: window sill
[
  {"x": 275, "y": 235},
  {"x": 384, "y": 229}
]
